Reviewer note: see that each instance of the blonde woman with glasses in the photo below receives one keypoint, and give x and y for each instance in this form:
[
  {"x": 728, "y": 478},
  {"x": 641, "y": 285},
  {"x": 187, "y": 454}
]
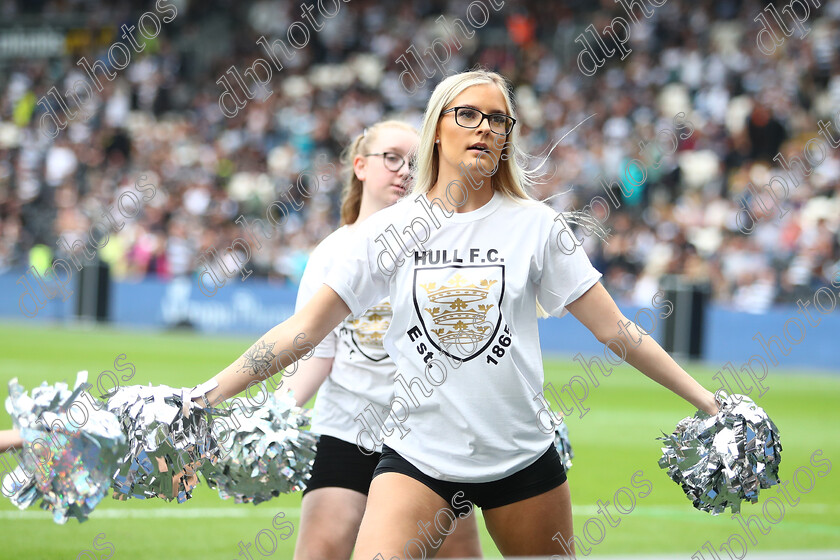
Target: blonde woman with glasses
[{"x": 466, "y": 292}]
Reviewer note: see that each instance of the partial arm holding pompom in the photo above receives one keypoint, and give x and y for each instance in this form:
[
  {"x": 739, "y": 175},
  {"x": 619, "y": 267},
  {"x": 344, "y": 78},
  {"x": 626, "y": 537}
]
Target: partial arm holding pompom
[
  {"x": 10, "y": 439},
  {"x": 67, "y": 461}
]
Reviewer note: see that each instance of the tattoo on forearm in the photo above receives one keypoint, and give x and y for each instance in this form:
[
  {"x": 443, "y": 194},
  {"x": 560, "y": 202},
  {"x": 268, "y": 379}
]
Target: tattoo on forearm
[{"x": 258, "y": 358}]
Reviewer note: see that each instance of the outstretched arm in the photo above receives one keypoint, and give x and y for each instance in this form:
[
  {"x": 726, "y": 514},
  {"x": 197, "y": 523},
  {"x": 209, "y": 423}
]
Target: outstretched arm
[
  {"x": 281, "y": 346},
  {"x": 599, "y": 313},
  {"x": 10, "y": 439}
]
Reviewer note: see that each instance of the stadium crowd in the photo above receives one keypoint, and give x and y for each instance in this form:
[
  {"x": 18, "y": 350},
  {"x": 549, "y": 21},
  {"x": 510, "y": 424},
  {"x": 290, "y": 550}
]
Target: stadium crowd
[{"x": 160, "y": 118}]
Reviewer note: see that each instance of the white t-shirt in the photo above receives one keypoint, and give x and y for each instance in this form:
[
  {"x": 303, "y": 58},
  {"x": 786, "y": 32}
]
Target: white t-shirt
[
  {"x": 362, "y": 372},
  {"x": 470, "y": 289}
]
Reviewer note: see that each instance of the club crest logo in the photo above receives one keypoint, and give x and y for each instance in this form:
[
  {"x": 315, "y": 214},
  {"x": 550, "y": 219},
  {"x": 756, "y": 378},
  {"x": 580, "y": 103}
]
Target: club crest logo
[
  {"x": 459, "y": 307},
  {"x": 367, "y": 332}
]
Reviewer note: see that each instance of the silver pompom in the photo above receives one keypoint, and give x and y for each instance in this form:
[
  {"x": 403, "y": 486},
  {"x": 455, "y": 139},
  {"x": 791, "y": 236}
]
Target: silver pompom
[
  {"x": 563, "y": 445},
  {"x": 268, "y": 453},
  {"x": 166, "y": 449},
  {"x": 72, "y": 446},
  {"x": 722, "y": 460}
]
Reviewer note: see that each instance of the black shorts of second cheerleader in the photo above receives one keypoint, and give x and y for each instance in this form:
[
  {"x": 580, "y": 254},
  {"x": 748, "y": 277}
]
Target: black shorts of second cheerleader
[
  {"x": 545, "y": 474},
  {"x": 339, "y": 464}
]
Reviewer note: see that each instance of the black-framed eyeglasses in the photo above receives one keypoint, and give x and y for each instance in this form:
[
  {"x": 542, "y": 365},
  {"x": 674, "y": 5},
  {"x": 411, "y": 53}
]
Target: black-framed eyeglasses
[
  {"x": 394, "y": 161},
  {"x": 469, "y": 117}
]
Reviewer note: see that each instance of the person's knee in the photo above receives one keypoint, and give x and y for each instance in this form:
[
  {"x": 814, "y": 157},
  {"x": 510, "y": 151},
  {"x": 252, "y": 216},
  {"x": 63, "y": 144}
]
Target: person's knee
[
  {"x": 321, "y": 539},
  {"x": 330, "y": 519}
]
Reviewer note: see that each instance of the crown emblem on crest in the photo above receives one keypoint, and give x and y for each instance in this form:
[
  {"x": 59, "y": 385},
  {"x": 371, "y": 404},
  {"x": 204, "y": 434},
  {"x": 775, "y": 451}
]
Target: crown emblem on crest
[
  {"x": 458, "y": 313},
  {"x": 371, "y": 326}
]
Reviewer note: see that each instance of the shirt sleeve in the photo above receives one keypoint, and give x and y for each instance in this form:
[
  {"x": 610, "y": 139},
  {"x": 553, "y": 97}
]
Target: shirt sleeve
[
  {"x": 564, "y": 276},
  {"x": 312, "y": 279},
  {"x": 356, "y": 276}
]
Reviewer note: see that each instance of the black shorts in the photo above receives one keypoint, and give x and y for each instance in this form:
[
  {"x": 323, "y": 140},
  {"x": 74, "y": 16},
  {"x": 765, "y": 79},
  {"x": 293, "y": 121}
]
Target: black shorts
[
  {"x": 341, "y": 464},
  {"x": 543, "y": 475}
]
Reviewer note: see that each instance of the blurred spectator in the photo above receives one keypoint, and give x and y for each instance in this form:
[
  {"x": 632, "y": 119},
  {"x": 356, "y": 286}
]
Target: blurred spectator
[{"x": 159, "y": 123}]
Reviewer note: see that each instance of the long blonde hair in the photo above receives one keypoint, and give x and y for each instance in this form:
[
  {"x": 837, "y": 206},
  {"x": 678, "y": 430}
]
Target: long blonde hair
[
  {"x": 351, "y": 195},
  {"x": 510, "y": 178}
]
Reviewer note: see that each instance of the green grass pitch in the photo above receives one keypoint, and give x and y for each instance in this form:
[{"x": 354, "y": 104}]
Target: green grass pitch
[{"x": 612, "y": 441}]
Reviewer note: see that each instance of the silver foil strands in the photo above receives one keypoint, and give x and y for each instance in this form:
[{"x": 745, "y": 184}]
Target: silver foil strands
[
  {"x": 166, "y": 449},
  {"x": 73, "y": 448},
  {"x": 722, "y": 460},
  {"x": 267, "y": 454},
  {"x": 563, "y": 445}
]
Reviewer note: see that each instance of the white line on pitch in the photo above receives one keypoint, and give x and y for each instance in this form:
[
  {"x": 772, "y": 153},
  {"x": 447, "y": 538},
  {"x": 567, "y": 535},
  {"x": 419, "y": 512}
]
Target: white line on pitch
[
  {"x": 156, "y": 513},
  {"x": 246, "y": 510}
]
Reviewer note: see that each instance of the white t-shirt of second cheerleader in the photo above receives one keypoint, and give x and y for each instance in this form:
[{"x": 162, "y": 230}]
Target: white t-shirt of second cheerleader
[
  {"x": 362, "y": 372},
  {"x": 464, "y": 326}
]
